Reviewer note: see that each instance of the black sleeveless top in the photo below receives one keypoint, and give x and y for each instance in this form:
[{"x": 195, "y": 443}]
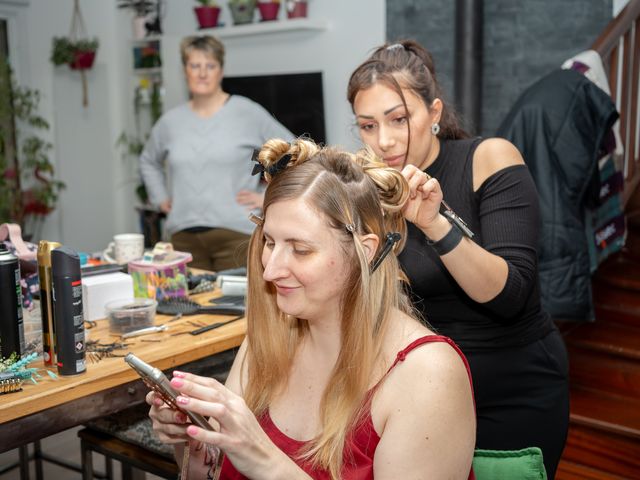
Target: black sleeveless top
[{"x": 504, "y": 215}]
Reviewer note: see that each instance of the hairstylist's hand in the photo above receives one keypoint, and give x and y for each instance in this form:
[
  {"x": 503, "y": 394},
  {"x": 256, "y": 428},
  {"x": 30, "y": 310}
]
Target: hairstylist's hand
[
  {"x": 240, "y": 436},
  {"x": 251, "y": 200},
  {"x": 170, "y": 425},
  {"x": 423, "y": 206},
  {"x": 165, "y": 207}
]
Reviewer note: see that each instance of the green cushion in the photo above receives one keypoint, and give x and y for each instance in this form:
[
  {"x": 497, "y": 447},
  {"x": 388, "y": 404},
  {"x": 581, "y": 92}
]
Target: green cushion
[{"x": 525, "y": 464}]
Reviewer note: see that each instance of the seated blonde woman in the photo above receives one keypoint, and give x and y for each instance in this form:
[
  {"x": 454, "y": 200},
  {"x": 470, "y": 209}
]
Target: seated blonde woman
[{"x": 337, "y": 378}]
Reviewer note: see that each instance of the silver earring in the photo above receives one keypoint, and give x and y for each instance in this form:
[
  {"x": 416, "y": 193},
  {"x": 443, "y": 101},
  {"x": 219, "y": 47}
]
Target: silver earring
[{"x": 435, "y": 129}]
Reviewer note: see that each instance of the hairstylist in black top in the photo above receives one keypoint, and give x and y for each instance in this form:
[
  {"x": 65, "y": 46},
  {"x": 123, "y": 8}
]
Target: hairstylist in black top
[{"x": 482, "y": 291}]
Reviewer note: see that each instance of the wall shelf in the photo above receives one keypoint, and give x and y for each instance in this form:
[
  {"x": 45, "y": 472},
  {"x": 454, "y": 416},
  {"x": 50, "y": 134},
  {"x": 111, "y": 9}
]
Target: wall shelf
[
  {"x": 148, "y": 71},
  {"x": 265, "y": 28}
]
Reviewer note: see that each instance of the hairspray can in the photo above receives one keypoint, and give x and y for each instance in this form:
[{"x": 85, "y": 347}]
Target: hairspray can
[
  {"x": 46, "y": 305},
  {"x": 66, "y": 297},
  {"x": 11, "y": 322}
]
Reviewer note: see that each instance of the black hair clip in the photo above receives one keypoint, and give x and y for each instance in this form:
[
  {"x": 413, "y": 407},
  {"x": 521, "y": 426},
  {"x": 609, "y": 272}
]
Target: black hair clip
[
  {"x": 392, "y": 239},
  {"x": 257, "y": 168},
  {"x": 272, "y": 170}
]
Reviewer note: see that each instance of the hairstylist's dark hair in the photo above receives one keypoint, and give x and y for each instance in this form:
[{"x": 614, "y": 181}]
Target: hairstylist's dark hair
[{"x": 406, "y": 64}]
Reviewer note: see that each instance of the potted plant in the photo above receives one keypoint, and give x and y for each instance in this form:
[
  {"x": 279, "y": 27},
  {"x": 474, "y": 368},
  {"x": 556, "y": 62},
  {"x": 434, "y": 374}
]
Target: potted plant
[
  {"x": 296, "y": 8},
  {"x": 78, "y": 54},
  {"x": 207, "y": 13},
  {"x": 28, "y": 188},
  {"x": 269, "y": 9},
  {"x": 242, "y": 10},
  {"x": 141, "y": 10},
  {"x": 76, "y": 50}
]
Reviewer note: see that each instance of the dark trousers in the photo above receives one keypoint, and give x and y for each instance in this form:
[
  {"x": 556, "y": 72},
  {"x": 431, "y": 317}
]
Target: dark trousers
[
  {"x": 522, "y": 398},
  {"x": 213, "y": 249}
]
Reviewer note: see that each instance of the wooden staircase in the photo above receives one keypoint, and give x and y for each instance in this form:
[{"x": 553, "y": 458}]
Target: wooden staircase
[{"x": 604, "y": 431}]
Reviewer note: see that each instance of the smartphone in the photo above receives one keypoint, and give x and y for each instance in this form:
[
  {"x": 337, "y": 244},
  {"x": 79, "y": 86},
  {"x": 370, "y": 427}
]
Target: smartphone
[{"x": 159, "y": 383}]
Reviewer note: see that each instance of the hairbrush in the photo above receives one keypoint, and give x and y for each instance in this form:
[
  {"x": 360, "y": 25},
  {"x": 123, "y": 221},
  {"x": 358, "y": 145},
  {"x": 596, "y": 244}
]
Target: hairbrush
[{"x": 176, "y": 305}]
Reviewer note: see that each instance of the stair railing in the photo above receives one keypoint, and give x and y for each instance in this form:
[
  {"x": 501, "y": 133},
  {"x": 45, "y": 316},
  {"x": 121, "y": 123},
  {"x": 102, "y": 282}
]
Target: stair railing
[{"x": 619, "y": 48}]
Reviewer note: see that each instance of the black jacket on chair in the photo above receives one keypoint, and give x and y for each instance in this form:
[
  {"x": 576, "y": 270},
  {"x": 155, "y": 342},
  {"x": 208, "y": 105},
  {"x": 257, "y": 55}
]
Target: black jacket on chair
[{"x": 558, "y": 125}]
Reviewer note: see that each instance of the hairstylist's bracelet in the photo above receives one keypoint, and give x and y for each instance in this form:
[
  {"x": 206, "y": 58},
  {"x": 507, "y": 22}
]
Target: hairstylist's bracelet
[{"x": 453, "y": 236}]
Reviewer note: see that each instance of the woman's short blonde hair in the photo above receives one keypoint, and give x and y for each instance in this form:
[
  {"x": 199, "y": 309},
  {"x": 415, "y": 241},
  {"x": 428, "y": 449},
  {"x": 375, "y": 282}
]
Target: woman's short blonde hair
[{"x": 204, "y": 43}]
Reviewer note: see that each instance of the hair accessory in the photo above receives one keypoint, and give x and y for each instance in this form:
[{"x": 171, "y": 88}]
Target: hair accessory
[
  {"x": 395, "y": 46},
  {"x": 351, "y": 228},
  {"x": 257, "y": 168},
  {"x": 272, "y": 170},
  {"x": 257, "y": 219},
  {"x": 392, "y": 239},
  {"x": 435, "y": 128}
]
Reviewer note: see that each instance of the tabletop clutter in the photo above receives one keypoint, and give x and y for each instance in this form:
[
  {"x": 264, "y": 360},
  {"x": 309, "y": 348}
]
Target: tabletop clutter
[{"x": 75, "y": 293}]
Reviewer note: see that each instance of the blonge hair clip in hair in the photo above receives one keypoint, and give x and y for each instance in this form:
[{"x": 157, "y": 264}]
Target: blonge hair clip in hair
[
  {"x": 391, "y": 239},
  {"x": 257, "y": 219}
]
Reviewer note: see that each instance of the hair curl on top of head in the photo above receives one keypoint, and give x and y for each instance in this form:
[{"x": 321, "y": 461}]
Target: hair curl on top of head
[{"x": 276, "y": 155}]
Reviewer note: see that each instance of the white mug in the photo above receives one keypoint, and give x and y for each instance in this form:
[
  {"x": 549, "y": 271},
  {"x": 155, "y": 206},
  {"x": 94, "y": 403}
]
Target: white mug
[{"x": 124, "y": 248}]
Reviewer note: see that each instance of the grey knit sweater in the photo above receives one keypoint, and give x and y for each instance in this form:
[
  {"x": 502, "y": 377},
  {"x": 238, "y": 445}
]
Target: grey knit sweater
[{"x": 208, "y": 162}]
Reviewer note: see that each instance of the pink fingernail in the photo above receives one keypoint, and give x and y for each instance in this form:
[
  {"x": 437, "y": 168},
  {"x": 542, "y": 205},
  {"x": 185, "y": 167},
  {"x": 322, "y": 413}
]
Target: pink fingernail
[
  {"x": 176, "y": 382},
  {"x": 192, "y": 430},
  {"x": 179, "y": 374},
  {"x": 182, "y": 400}
]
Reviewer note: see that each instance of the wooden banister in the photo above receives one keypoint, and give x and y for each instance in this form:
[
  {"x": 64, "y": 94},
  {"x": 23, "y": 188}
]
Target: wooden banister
[{"x": 619, "y": 48}]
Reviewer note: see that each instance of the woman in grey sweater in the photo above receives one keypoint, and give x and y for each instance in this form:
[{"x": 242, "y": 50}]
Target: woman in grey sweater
[{"x": 207, "y": 144}]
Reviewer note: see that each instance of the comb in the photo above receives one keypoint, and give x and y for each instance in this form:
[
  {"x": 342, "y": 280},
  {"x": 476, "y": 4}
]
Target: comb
[{"x": 176, "y": 305}]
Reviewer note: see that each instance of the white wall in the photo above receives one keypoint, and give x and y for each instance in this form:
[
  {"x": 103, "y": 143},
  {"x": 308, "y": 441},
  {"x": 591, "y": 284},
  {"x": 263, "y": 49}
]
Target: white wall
[
  {"x": 354, "y": 28},
  {"x": 99, "y": 200},
  {"x": 93, "y": 206}
]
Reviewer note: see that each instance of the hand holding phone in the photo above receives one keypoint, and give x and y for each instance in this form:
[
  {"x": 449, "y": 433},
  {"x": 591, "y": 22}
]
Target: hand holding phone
[{"x": 159, "y": 383}]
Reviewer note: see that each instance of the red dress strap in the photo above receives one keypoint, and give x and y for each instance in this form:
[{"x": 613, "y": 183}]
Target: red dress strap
[{"x": 402, "y": 354}]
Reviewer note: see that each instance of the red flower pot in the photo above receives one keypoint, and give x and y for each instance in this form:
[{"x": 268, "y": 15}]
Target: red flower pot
[
  {"x": 268, "y": 11},
  {"x": 207, "y": 16},
  {"x": 82, "y": 60},
  {"x": 296, "y": 9}
]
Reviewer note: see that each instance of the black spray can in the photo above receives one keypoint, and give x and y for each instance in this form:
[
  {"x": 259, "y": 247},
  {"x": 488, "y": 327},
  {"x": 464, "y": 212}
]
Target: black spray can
[
  {"x": 67, "y": 311},
  {"x": 46, "y": 302},
  {"x": 11, "y": 322}
]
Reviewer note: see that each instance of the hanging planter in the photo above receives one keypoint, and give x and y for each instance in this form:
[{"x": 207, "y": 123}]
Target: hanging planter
[
  {"x": 76, "y": 50},
  {"x": 79, "y": 55}
]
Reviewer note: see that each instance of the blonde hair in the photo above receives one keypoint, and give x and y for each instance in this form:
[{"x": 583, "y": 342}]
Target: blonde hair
[
  {"x": 204, "y": 43},
  {"x": 348, "y": 189}
]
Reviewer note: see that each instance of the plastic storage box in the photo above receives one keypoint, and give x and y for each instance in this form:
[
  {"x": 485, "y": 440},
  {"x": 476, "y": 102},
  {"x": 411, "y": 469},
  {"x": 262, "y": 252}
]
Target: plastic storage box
[{"x": 163, "y": 276}]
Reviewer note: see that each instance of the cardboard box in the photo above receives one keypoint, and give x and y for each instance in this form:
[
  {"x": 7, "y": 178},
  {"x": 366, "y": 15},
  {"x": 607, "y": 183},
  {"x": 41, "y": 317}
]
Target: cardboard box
[{"x": 98, "y": 290}]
